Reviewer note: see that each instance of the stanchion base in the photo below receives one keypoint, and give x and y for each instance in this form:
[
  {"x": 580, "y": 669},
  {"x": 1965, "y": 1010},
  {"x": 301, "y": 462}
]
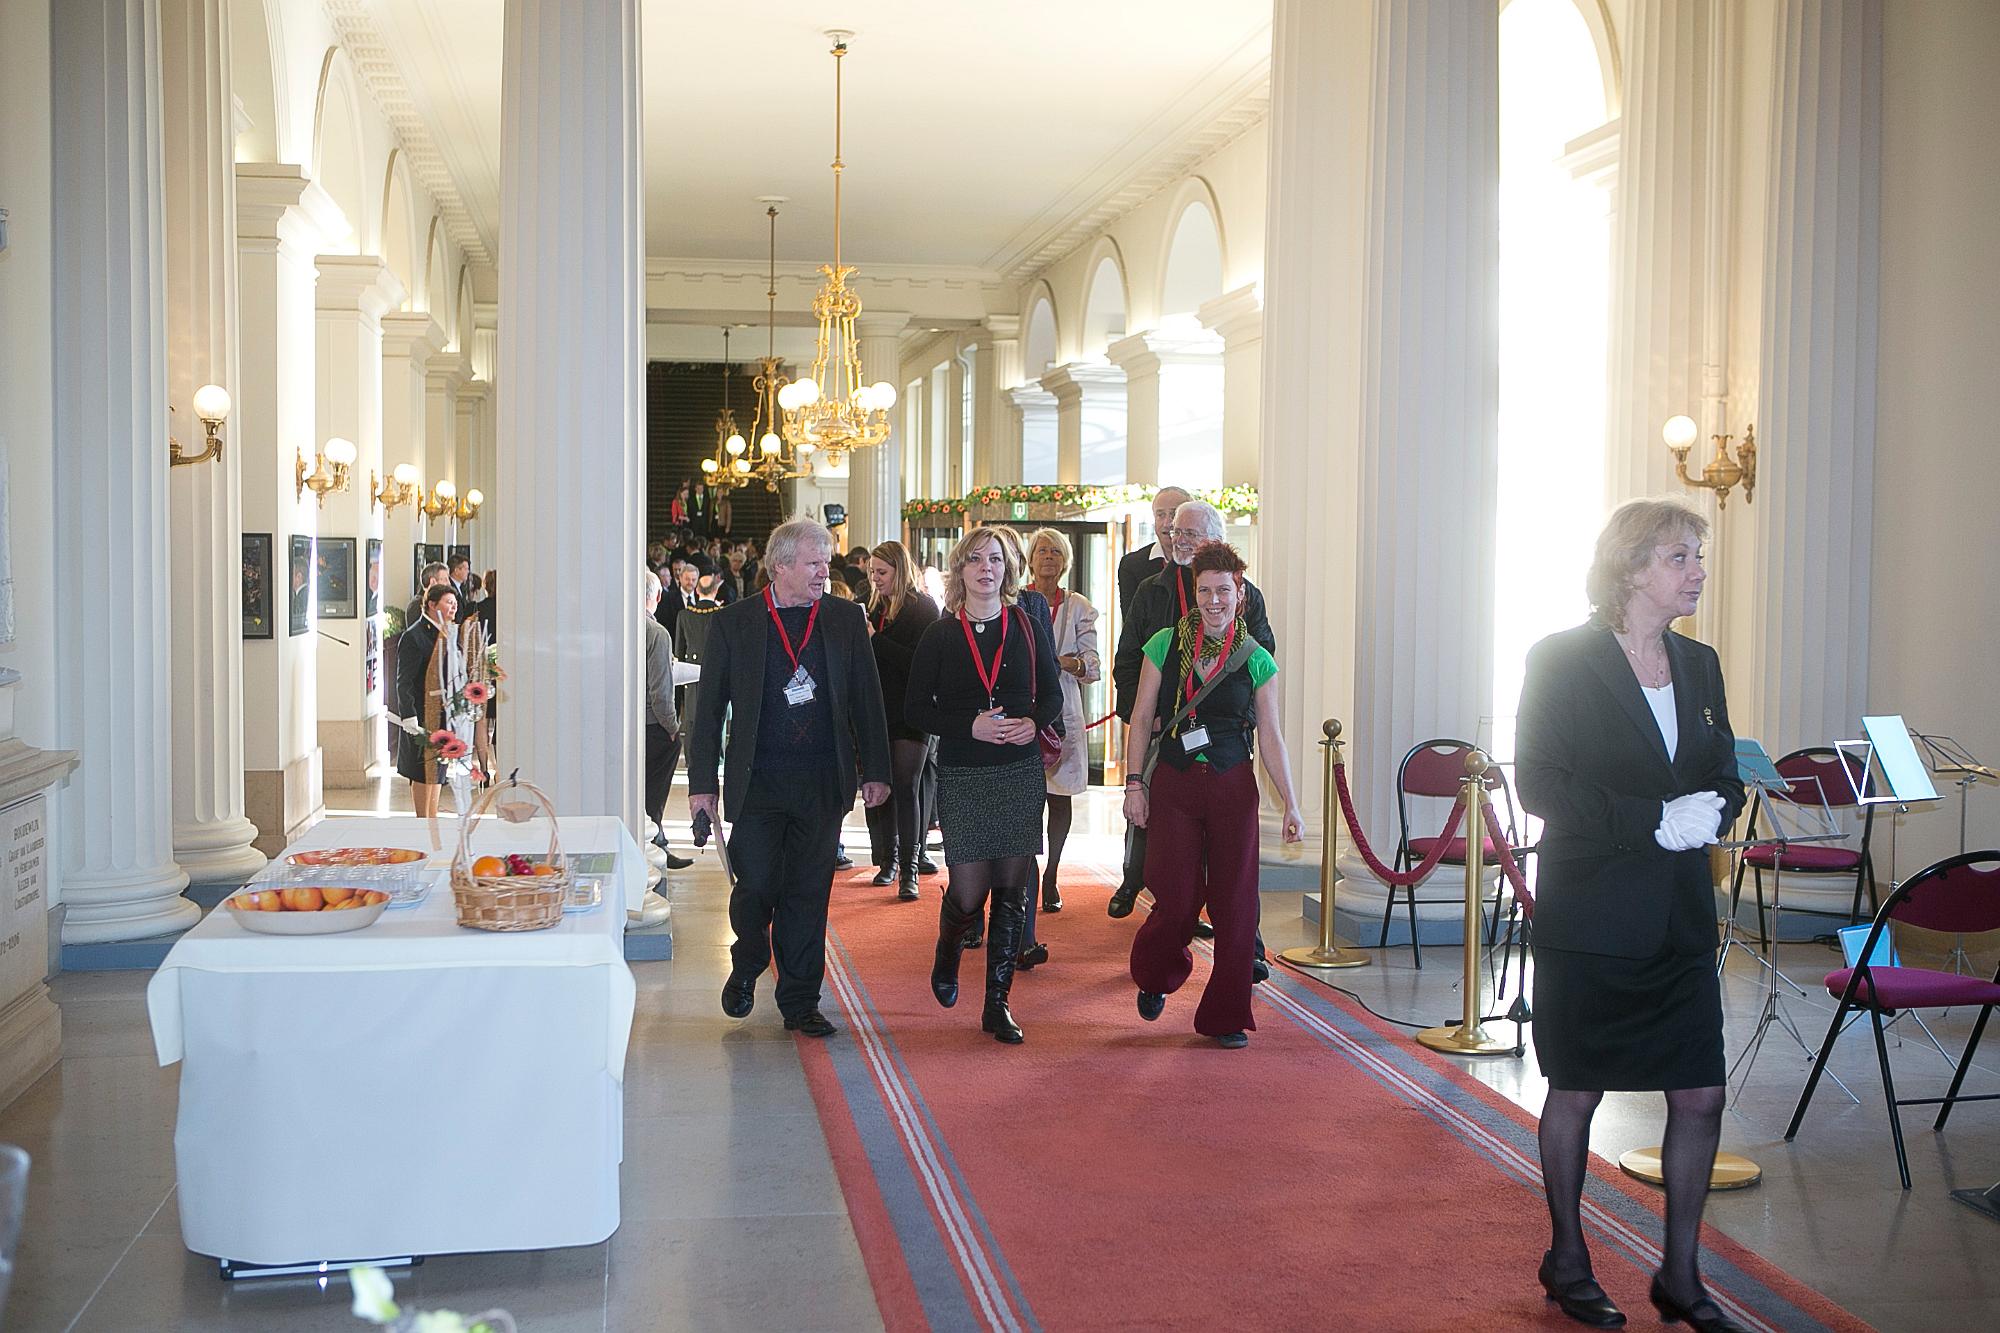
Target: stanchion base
[
  {"x": 1729, "y": 1173},
  {"x": 1455, "y": 1040},
  {"x": 1314, "y": 956},
  {"x": 1986, "y": 1201}
]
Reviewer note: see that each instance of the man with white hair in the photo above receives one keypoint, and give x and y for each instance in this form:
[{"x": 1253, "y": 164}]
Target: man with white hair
[
  {"x": 796, "y": 673},
  {"x": 663, "y": 723},
  {"x": 1150, "y": 559},
  {"x": 1162, "y": 602}
]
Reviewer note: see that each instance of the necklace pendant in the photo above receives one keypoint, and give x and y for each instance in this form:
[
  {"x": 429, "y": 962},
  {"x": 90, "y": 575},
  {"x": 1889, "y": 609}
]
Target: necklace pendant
[{"x": 979, "y": 627}]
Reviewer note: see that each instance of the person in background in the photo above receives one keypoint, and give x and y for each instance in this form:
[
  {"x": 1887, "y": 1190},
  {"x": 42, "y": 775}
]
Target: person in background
[
  {"x": 1076, "y": 654},
  {"x": 429, "y": 577},
  {"x": 424, "y": 676},
  {"x": 1150, "y": 559},
  {"x": 677, "y": 508},
  {"x": 663, "y": 723},
  {"x": 737, "y": 580},
  {"x": 854, "y": 569},
  {"x": 898, "y": 614}
]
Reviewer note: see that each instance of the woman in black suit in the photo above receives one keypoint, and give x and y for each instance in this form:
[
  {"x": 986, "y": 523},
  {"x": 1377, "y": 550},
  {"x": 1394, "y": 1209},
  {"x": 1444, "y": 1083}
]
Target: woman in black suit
[
  {"x": 417, "y": 685},
  {"x": 898, "y": 614},
  {"x": 1625, "y": 752}
]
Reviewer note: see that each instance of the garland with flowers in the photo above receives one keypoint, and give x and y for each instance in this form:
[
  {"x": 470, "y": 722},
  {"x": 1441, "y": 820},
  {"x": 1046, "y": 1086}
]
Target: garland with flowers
[{"x": 1236, "y": 501}]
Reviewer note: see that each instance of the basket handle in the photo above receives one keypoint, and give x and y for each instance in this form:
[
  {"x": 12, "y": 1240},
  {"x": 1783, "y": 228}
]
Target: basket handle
[{"x": 461, "y": 859}]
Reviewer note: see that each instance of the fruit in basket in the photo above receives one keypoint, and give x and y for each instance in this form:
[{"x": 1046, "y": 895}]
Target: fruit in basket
[
  {"x": 545, "y": 869},
  {"x": 518, "y": 864},
  {"x": 489, "y": 865},
  {"x": 335, "y": 897},
  {"x": 302, "y": 900}
]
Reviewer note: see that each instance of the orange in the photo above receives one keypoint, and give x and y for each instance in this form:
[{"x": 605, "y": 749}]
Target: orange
[{"x": 489, "y": 865}]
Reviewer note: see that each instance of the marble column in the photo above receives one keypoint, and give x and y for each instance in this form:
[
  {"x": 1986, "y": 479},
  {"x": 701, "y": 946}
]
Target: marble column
[
  {"x": 1308, "y": 460},
  {"x": 120, "y": 881},
  {"x": 1816, "y": 428},
  {"x": 1238, "y": 317},
  {"x": 996, "y": 453},
  {"x": 1035, "y": 423},
  {"x": 1173, "y": 405},
  {"x": 410, "y": 339},
  {"x": 212, "y": 836},
  {"x": 875, "y": 476},
  {"x": 1423, "y": 639},
  {"x": 569, "y": 483},
  {"x": 1090, "y": 421},
  {"x": 354, "y": 293},
  {"x": 444, "y": 375}
]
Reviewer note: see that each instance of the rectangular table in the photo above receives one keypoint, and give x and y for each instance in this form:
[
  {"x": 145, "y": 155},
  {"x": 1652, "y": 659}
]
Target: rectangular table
[{"x": 410, "y": 1088}]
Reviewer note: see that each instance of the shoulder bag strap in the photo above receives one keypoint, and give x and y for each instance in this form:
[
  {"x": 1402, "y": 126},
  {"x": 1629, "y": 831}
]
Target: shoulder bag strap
[{"x": 1235, "y": 663}]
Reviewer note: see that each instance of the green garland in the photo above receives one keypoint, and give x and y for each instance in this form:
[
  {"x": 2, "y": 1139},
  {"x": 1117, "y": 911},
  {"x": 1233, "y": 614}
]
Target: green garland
[{"x": 1240, "y": 501}]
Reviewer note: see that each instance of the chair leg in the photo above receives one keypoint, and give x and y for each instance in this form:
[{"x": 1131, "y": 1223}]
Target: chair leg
[
  {"x": 1964, "y": 1061},
  {"x": 1416, "y": 949},
  {"x": 1763, "y": 930},
  {"x": 1388, "y": 915},
  {"x": 1889, "y": 1095},
  {"x": 1819, "y": 1067}
]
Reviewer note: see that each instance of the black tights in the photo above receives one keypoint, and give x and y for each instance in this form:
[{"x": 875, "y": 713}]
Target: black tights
[
  {"x": 1687, "y": 1156},
  {"x": 1061, "y": 811},
  {"x": 972, "y": 882},
  {"x": 906, "y": 771}
]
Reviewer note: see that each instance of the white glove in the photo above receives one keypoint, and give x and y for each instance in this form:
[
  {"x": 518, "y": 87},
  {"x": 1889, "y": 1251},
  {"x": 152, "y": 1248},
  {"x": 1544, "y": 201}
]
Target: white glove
[{"x": 1688, "y": 822}]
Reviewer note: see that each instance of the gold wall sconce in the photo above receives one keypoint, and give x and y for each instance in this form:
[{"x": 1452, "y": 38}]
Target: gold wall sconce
[
  {"x": 1722, "y": 472},
  {"x": 328, "y": 470},
  {"x": 442, "y": 501},
  {"x": 398, "y": 488},
  {"x": 468, "y": 504},
  {"x": 211, "y": 404}
]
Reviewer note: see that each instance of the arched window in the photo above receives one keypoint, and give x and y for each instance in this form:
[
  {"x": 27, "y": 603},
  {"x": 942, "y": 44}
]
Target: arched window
[
  {"x": 1555, "y": 281},
  {"x": 1103, "y": 308},
  {"x": 1038, "y": 350},
  {"x": 1194, "y": 262}
]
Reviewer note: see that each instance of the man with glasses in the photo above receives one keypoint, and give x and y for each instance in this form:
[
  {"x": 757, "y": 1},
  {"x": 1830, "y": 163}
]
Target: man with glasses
[
  {"x": 1151, "y": 558},
  {"x": 1160, "y": 603}
]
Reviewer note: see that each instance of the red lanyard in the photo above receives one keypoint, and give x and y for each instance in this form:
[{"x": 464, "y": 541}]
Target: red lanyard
[
  {"x": 1228, "y": 642},
  {"x": 771, "y": 605},
  {"x": 991, "y": 680},
  {"x": 1180, "y": 590}
]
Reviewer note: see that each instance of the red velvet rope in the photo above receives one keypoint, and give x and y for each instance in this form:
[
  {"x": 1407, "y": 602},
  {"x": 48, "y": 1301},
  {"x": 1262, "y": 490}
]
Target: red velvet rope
[
  {"x": 1407, "y": 878},
  {"x": 1509, "y": 861}
]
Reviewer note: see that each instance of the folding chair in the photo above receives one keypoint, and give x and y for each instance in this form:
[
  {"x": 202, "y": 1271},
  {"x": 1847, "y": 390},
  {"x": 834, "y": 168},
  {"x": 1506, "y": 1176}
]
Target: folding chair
[
  {"x": 1436, "y": 768},
  {"x": 1958, "y": 895},
  {"x": 1816, "y": 774}
]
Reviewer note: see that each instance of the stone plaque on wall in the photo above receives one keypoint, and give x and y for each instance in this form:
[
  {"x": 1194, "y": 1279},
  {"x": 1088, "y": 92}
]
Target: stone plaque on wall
[{"x": 24, "y": 884}]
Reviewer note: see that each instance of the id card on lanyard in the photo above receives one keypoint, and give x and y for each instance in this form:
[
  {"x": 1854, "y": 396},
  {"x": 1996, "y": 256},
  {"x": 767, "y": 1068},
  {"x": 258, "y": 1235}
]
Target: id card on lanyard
[
  {"x": 1194, "y": 736},
  {"x": 799, "y": 690}
]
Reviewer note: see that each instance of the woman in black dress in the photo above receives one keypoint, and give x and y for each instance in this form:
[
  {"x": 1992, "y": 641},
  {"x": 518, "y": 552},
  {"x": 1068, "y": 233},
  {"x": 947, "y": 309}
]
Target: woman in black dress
[
  {"x": 417, "y": 698},
  {"x": 898, "y": 614},
  {"x": 1624, "y": 750},
  {"x": 984, "y": 681}
]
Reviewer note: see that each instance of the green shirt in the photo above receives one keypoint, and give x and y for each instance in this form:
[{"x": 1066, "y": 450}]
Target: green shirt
[{"x": 1261, "y": 666}]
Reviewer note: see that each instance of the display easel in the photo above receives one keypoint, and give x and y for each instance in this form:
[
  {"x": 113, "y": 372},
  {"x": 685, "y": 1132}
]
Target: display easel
[{"x": 1946, "y": 758}]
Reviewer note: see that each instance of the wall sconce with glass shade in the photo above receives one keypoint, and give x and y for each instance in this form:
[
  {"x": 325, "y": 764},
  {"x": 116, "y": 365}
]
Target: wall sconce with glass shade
[
  {"x": 211, "y": 405},
  {"x": 1722, "y": 472},
  {"x": 399, "y": 488},
  {"x": 468, "y": 504},
  {"x": 442, "y": 501},
  {"x": 328, "y": 470}
]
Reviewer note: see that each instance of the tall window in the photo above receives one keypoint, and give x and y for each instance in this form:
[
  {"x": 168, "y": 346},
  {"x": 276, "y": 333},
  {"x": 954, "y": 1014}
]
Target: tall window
[
  {"x": 1555, "y": 288},
  {"x": 968, "y": 414}
]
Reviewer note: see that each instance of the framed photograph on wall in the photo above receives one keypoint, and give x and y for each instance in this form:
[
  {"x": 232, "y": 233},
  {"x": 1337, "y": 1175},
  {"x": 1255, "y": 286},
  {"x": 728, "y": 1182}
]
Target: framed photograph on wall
[
  {"x": 373, "y": 606},
  {"x": 257, "y": 585},
  {"x": 301, "y": 583},
  {"x": 426, "y": 553},
  {"x": 334, "y": 578}
]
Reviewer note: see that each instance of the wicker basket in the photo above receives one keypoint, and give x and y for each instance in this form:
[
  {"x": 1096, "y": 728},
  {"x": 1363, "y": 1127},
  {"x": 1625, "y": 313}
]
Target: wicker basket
[{"x": 509, "y": 902}]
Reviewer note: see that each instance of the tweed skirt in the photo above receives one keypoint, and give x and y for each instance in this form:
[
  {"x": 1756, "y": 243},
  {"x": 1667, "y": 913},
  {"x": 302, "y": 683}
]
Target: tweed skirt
[
  {"x": 1605, "y": 1024},
  {"x": 988, "y": 813}
]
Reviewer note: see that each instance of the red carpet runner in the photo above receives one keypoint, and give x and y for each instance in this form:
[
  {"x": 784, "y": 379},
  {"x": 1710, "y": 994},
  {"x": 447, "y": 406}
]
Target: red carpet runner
[{"x": 1117, "y": 1174}]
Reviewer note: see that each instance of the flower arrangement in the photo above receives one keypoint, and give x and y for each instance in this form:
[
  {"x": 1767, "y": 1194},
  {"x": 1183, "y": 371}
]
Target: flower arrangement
[
  {"x": 1239, "y": 501},
  {"x": 374, "y": 1300}
]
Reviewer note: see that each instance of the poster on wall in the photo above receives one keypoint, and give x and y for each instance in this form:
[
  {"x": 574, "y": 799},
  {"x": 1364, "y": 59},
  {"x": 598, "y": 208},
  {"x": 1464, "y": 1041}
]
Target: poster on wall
[
  {"x": 301, "y": 583},
  {"x": 335, "y": 578},
  {"x": 371, "y": 658},
  {"x": 373, "y": 606},
  {"x": 427, "y": 553},
  {"x": 257, "y": 585}
]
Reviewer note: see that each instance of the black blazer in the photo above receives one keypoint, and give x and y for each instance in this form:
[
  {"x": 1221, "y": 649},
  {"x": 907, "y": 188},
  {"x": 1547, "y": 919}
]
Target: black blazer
[
  {"x": 732, "y": 674},
  {"x": 1591, "y": 763},
  {"x": 895, "y": 644},
  {"x": 1135, "y": 569},
  {"x": 1156, "y": 608}
]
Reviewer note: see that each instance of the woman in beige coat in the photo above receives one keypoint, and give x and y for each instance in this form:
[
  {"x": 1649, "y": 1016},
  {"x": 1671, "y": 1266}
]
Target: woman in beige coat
[{"x": 1076, "y": 654}]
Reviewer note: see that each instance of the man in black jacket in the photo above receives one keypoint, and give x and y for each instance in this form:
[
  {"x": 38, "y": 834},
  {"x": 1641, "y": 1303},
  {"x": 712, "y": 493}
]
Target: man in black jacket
[
  {"x": 1150, "y": 559},
  {"x": 797, "y": 673}
]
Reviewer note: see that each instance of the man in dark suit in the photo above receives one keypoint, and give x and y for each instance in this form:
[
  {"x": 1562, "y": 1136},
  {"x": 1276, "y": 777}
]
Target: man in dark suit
[
  {"x": 663, "y": 722},
  {"x": 1148, "y": 560},
  {"x": 796, "y": 671}
]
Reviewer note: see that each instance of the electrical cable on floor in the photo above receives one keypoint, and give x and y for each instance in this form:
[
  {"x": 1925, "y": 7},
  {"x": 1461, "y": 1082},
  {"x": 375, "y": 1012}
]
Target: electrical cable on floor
[{"x": 1376, "y": 1013}]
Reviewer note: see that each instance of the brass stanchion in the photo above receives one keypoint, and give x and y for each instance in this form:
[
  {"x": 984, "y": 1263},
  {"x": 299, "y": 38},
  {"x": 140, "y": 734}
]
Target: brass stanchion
[
  {"x": 1470, "y": 1037},
  {"x": 1328, "y": 953},
  {"x": 1730, "y": 1172}
]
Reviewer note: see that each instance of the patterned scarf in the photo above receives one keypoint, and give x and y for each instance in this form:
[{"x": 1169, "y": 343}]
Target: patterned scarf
[{"x": 1192, "y": 645}]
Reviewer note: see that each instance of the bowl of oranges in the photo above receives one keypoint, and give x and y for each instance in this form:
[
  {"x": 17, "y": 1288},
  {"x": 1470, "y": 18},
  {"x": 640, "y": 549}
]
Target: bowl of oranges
[{"x": 299, "y": 909}]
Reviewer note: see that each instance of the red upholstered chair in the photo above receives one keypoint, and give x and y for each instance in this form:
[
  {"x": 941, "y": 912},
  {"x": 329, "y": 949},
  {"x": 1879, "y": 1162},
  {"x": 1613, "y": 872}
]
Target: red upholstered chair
[
  {"x": 1816, "y": 774},
  {"x": 1957, "y": 896},
  {"x": 1435, "y": 768}
]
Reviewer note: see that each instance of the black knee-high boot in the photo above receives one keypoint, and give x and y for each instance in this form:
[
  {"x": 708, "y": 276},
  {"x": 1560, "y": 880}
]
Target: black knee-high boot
[
  {"x": 952, "y": 924},
  {"x": 1010, "y": 912}
]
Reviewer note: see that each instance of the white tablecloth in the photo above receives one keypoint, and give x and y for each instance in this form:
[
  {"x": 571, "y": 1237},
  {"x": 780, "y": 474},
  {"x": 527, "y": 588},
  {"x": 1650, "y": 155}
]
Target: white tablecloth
[{"x": 410, "y": 1088}]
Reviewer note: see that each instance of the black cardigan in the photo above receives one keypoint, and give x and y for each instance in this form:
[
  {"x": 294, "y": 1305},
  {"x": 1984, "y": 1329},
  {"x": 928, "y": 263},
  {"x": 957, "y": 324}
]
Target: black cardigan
[
  {"x": 945, "y": 693},
  {"x": 895, "y": 646}
]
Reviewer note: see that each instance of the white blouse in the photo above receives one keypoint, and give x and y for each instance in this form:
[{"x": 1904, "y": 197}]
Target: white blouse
[{"x": 1661, "y": 701}]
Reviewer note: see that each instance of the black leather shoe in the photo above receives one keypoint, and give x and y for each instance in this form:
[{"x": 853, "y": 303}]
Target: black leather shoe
[
  {"x": 1581, "y": 1298},
  {"x": 884, "y": 877},
  {"x": 1151, "y": 1004},
  {"x": 1051, "y": 897},
  {"x": 843, "y": 862},
  {"x": 1202, "y": 930},
  {"x": 1122, "y": 903},
  {"x": 907, "y": 891},
  {"x": 739, "y": 995},
  {"x": 678, "y": 862},
  {"x": 1704, "y": 1316},
  {"x": 1030, "y": 959},
  {"x": 1259, "y": 971},
  {"x": 926, "y": 866},
  {"x": 1233, "y": 1041},
  {"x": 812, "y": 1023}
]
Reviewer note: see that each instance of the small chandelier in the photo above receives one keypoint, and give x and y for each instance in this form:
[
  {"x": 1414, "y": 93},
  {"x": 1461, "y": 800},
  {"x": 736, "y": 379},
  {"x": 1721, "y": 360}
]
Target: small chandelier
[
  {"x": 726, "y": 468},
  {"x": 836, "y": 410},
  {"x": 775, "y": 462}
]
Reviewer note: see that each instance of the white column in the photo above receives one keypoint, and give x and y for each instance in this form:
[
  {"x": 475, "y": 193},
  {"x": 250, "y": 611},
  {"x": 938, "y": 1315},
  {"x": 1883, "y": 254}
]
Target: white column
[
  {"x": 1430, "y": 391},
  {"x": 1816, "y": 455},
  {"x": 120, "y": 881},
  {"x": 1035, "y": 413},
  {"x": 410, "y": 338},
  {"x": 570, "y": 478},
  {"x": 1173, "y": 413},
  {"x": 996, "y": 453},
  {"x": 1238, "y": 317},
  {"x": 444, "y": 373},
  {"x": 1090, "y": 421},
  {"x": 212, "y": 837},
  {"x": 473, "y": 474},
  {"x": 875, "y": 476},
  {"x": 1311, "y": 410}
]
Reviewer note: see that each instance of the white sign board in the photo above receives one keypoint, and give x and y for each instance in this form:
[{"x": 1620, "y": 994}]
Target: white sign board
[{"x": 24, "y": 893}]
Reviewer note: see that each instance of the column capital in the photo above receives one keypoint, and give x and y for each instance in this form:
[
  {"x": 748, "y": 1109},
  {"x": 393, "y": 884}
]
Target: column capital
[
  {"x": 1075, "y": 381},
  {"x": 1031, "y": 397},
  {"x": 415, "y": 334},
  {"x": 881, "y": 323},
  {"x": 1238, "y": 316},
  {"x": 1002, "y": 327},
  {"x": 447, "y": 370},
  {"x": 276, "y": 204},
  {"x": 359, "y": 283},
  {"x": 1143, "y": 353}
]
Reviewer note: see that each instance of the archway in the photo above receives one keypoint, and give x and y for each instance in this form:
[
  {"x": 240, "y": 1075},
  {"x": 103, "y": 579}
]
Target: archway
[
  {"x": 252, "y": 57},
  {"x": 1103, "y": 306},
  {"x": 1193, "y": 272},
  {"x": 337, "y": 156},
  {"x": 399, "y": 227}
]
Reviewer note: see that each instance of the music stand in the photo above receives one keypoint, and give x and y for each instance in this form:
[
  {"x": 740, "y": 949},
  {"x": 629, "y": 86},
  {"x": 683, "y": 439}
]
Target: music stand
[{"x": 1946, "y": 758}]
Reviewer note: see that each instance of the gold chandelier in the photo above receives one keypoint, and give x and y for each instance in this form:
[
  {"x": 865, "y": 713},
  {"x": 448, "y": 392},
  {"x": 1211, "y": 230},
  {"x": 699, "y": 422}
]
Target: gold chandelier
[
  {"x": 836, "y": 409},
  {"x": 726, "y": 468},
  {"x": 775, "y": 461}
]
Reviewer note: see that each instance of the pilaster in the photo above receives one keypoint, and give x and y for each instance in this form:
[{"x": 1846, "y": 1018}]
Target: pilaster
[
  {"x": 1090, "y": 421},
  {"x": 996, "y": 453},
  {"x": 1174, "y": 407},
  {"x": 1238, "y": 317},
  {"x": 1034, "y": 413},
  {"x": 875, "y": 476}
]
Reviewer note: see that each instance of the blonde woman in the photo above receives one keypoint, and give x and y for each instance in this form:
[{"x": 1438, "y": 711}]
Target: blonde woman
[
  {"x": 984, "y": 680},
  {"x": 1076, "y": 656},
  {"x": 899, "y": 611}
]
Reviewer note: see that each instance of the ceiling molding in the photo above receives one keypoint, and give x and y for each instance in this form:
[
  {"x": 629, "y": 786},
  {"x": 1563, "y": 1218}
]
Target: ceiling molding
[
  {"x": 375, "y": 62},
  {"x": 941, "y": 277}
]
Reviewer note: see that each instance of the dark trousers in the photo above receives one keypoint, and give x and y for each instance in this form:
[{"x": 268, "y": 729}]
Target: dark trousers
[
  {"x": 895, "y": 827},
  {"x": 781, "y": 845},
  {"x": 663, "y": 755},
  {"x": 1202, "y": 852}
]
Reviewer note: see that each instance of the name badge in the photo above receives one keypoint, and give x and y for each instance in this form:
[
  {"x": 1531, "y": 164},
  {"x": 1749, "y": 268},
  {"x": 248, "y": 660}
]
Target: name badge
[
  {"x": 1194, "y": 739},
  {"x": 799, "y": 689}
]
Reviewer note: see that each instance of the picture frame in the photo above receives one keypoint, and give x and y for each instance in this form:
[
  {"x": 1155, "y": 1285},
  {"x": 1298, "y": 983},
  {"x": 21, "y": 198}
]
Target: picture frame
[
  {"x": 257, "y": 616},
  {"x": 373, "y": 605},
  {"x": 334, "y": 579},
  {"x": 424, "y": 553},
  {"x": 299, "y": 570}
]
